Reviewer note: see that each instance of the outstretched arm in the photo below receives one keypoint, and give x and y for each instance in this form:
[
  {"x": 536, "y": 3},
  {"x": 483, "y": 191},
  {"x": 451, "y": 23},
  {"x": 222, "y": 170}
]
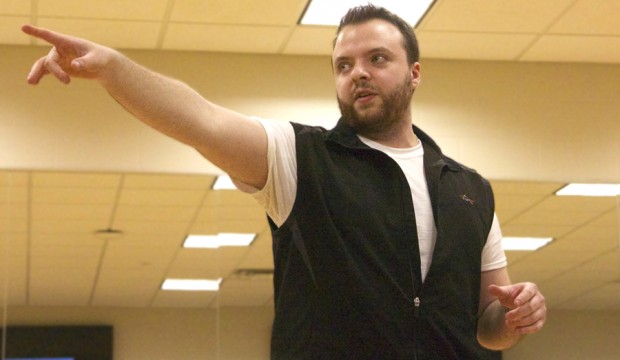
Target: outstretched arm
[
  {"x": 508, "y": 311},
  {"x": 233, "y": 142}
]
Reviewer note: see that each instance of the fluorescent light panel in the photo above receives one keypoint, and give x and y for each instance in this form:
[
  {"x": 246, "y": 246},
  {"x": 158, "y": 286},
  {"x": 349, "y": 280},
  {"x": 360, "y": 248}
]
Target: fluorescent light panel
[
  {"x": 524, "y": 243},
  {"x": 224, "y": 182},
  {"x": 191, "y": 284},
  {"x": 216, "y": 241},
  {"x": 589, "y": 190},
  {"x": 329, "y": 12}
]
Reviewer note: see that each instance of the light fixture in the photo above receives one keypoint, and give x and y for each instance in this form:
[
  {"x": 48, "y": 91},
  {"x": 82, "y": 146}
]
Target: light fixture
[
  {"x": 224, "y": 182},
  {"x": 216, "y": 241},
  {"x": 524, "y": 243},
  {"x": 589, "y": 190},
  {"x": 191, "y": 284},
  {"x": 329, "y": 12}
]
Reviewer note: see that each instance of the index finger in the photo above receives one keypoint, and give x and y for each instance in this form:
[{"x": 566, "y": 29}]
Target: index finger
[{"x": 50, "y": 36}]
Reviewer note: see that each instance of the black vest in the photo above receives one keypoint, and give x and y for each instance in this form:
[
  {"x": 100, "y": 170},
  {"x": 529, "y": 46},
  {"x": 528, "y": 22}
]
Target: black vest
[{"x": 347, "y": 278}]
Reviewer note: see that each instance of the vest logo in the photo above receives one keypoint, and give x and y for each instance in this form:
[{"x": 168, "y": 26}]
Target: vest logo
[{"x": 467, "y": 199}]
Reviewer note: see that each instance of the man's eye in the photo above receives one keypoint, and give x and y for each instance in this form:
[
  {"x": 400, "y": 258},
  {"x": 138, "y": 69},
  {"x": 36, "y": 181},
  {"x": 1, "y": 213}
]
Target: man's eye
[
  {"x": 378, "y": 58},
  {"x": 342, "y": 67}
]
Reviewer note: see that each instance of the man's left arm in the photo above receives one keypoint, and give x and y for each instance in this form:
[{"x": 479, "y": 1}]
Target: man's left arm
[{"x": 507, "y": 311}]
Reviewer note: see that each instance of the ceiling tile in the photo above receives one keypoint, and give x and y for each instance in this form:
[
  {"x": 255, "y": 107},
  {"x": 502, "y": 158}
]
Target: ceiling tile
[
  {"x": 231, "y": 213},
  {"x": 605, "y": 297},
  {"x": 576, "y": 204},
  {"x": 101, "y": 213},
  {"x": 109, "y": 9},
  {"x": 15, "y": 7},
  {"x": 594, "y": 17},
  {"x": 71, "y": 180},
  {"x": 60, "y": 287},
  {"x": 163, "y": 197},
  {"x": 543, "y": 230},
  {"x": 473, "y": 46},
  {"x": 180, "y": 182},
  {"x": 172, "y": 229},
  {"x": 132, "y": 259},
  {"x": 244, "y": 12},
  {"x": 565, "y": 218},
  {"x": 53, "y": 257},
  {"x": 494, "y": 16},
  {"x": 134, "y": 287},
  {"x": 564, "y": 48},
  {"x": 144, "y": 35},
  {"x": 228, "y": 198},
  {"x": 528, "y": 188},
  {"x": 225, "y": 38},
  {"x": 73, "y": 196},
  {"x": 191, "y": 299},
  {"x": 13, "y": 211},
  {"x": 11, "y": 178},
  {"x": 10, "y": 32},
  {"x": 154, "y": 213},
  {"x": 64, "y": 239},
  {"x": 68, "y": 227},
  {"x": 310, "y": 40},
  {"x": 245, "y": 292}
]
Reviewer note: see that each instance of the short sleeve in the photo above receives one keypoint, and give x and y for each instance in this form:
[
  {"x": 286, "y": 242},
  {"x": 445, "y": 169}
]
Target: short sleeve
[
  {"x": 278, "y": 194},
  {"x": 493, "y": 256}
]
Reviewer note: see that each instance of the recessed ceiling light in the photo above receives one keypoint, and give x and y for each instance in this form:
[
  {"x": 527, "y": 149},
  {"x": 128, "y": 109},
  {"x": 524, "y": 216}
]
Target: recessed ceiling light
[
  {"x": 329, "y": 12},
  {"x": 224, "y": 182},
  {"x": 216, "y": 241},
  {"x": 589, "y": 190},
  {"x": 524, "y": 243},
  {"x": 191, "y": 284}
]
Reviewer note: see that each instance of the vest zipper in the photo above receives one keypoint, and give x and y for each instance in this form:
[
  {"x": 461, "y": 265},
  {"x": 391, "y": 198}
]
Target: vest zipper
[{"x": 416, "y": 307}]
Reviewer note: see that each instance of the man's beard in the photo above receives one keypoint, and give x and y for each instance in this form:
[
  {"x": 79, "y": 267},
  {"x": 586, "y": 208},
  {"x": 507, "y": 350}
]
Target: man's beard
[{"x": 394, "y": 107}]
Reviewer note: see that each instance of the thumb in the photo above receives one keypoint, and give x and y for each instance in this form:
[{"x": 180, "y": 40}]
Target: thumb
[
  {"x": 505, "y": 294},
  {"x": 84, "y": 63},
  {"x": 87, "y": 65}
]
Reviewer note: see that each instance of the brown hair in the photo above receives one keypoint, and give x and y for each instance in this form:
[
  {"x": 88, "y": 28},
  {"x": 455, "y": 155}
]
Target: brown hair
[{"x": 361, "y": 14}]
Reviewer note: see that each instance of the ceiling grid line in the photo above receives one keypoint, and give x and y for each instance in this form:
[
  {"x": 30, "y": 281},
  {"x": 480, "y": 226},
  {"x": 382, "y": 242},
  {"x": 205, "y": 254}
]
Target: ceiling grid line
[
  {"x": 164, "y": 24},
  {"x": 539, "y": 36}
]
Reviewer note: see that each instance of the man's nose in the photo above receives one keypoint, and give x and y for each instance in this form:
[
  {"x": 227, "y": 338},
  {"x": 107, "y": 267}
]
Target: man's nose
[{"x": 360, "y": 73}]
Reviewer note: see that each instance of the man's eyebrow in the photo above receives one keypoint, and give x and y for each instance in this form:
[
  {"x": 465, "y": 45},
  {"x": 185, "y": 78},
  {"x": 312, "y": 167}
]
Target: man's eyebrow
[
  {"x": 379, "y": 49},
  {"x": 371, "y": 51}
]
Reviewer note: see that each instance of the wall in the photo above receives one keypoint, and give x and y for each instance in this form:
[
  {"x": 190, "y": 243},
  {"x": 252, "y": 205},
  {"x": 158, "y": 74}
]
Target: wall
[
  {"x": 166, "y": 333},
  {"x": 572, "y": 335},
  {"x": 543, "y": 121}
]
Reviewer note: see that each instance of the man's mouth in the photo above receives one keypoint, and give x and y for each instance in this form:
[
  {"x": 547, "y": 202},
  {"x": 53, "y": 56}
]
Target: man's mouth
[{"x": 364, "y": 94}]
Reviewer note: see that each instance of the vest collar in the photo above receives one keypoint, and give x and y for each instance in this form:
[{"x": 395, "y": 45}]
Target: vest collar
[{"x": 344, "y": 135}]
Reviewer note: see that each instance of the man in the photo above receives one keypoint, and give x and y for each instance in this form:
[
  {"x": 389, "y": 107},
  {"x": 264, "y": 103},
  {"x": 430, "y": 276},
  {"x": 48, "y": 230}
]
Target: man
[{"x": 384, "y": 248}]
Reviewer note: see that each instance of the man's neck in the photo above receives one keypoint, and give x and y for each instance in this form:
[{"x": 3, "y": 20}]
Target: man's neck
[{"x": 401, "y": 136}]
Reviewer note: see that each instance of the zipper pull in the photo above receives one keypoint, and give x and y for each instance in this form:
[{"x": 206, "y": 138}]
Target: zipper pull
[{"x": 416, "y": 306}]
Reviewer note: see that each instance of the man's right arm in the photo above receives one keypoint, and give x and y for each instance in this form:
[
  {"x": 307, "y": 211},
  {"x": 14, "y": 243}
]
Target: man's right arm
[{"x": 231, "y": 141}]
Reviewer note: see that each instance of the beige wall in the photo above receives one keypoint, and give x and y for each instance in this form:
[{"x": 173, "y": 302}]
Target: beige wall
[{"x": 516, "y": 121}]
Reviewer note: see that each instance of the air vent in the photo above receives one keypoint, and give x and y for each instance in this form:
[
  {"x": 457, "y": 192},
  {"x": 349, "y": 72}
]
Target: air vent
[{"x": 253, "y": 274}]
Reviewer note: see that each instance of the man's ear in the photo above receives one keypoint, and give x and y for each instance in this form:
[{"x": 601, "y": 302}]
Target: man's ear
[{"x": 416, "y": 76}]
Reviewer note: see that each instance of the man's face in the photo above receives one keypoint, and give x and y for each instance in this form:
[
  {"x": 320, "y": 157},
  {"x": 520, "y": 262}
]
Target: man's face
[{"x": 374, "y": 82}]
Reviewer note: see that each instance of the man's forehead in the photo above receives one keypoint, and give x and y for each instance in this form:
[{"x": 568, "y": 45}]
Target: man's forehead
[{"x": 371, "y": 34}]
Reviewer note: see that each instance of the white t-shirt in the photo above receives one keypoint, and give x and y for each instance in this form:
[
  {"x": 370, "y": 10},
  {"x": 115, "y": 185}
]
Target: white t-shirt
[{"x": 278, "y": 195}]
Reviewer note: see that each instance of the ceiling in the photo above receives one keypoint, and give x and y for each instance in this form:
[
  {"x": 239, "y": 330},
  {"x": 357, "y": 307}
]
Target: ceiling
[
  {"x": 522, "y": 30},
  {"x": 52, "y": 256}
]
